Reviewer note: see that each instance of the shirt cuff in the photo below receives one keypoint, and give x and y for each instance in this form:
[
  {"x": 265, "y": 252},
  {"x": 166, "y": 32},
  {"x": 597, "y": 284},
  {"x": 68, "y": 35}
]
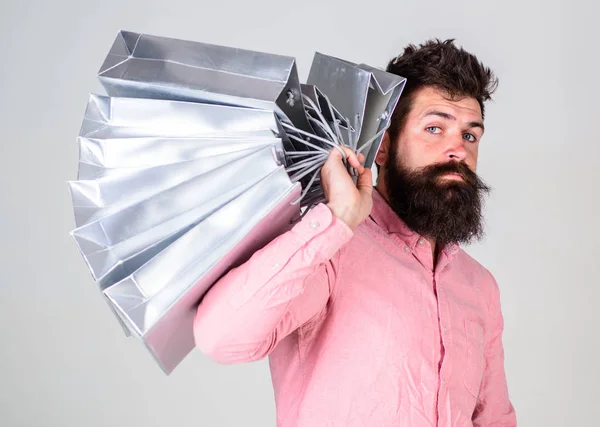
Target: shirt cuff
[{"x": 322, "y": 231}]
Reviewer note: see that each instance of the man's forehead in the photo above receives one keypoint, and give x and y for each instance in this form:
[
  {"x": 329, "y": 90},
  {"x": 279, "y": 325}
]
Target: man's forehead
[{"x": 428, "y": 100}]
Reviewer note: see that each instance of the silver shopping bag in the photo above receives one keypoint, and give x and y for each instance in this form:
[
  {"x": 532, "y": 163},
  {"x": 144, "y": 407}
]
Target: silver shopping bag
[
  {"x": 116, "y": 242},
  {"x": 364, "y": 95},
  {"x": 119, "y": 117},
  {"x": 158, "y": 301},
  {"x": 111, "y": 190},
  {"x": 200, "y": 155},
  {"x": 127, "y": 153},
  {"x": 125, "y": 133},
  {"x": 148, "y": 66}
]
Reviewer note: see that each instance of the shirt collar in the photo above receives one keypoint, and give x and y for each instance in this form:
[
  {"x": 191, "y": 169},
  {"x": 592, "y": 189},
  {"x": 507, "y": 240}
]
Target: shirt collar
[{"x": 384, "y": 216}]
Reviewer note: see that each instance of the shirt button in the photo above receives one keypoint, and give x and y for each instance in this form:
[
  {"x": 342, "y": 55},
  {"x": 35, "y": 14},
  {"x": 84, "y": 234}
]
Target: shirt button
[
  {"x": 315, "y": 224},
  {"x": 406, "y": 249},
  {"x": 444, "y": 329},
  {"x": 421, "y": 241},
  {"x": 276, "y": 266}
]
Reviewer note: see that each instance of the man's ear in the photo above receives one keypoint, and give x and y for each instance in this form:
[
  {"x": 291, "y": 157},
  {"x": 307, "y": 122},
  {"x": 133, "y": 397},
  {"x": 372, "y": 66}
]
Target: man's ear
[{"x": 384, "y": 150}]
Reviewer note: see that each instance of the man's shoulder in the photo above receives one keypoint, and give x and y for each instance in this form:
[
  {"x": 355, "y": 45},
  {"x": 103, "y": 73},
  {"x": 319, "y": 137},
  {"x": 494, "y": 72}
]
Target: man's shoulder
[
  {"x": 471, "y": 261},
  {"x": 483, "y": 277}
]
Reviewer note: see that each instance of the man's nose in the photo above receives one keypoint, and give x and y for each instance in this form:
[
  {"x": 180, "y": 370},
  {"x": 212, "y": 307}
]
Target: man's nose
[{"x": 456, "y": 149}]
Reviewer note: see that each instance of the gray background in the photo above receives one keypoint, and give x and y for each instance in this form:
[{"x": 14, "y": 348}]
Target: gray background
[{"x": 63, "y": 359}]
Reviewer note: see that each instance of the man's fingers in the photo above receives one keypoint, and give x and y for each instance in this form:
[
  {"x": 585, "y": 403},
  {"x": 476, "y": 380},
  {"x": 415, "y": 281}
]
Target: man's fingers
[
  {"x": 353, "y": 161},
  {"x": 335, "y": 156},
  {"x": 365, "y": 181}
]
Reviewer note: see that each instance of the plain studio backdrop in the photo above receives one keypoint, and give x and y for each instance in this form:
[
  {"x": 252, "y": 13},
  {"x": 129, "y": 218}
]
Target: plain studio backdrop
[{"x": 64, "y": 360}]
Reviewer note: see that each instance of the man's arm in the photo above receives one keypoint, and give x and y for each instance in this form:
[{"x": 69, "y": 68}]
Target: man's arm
[
  {"x": 282, "y": 287},
  {"x": 493, "y": 404},
  {"x": 288, "y": 283}
]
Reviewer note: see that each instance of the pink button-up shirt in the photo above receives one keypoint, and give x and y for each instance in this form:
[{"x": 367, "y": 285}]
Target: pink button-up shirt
[{"x": 361, "y": 328}]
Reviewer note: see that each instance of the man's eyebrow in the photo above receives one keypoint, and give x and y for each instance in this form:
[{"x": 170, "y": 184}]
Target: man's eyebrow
[
  {"x": 440, "y": 114},
  {"x": 474, "y": 124}
]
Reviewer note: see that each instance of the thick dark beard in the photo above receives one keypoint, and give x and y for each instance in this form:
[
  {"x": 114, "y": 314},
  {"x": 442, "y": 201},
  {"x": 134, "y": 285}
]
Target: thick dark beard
[{"x": 446, "y": 210}]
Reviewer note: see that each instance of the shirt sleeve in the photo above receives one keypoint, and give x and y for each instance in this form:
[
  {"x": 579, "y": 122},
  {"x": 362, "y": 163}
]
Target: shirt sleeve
[
  {"x": 494, "y": 407},
  {"x": 281, "y": 287}
]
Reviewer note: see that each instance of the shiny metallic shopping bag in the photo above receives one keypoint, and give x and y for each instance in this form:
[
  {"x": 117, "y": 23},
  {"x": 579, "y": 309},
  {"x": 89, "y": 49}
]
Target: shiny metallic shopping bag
[
  {"x": 366, "y": 96},
  {"x": 113, "y": 157},
  {"x": 158, "y": 301},
  {"x": 116, "y": 117},
  {"x": 110, "y": 190},
  {"x": 147, "y": 66},
  {"x": 117, "y": 240},
  {"x": 199, "y": 156},
  {"x": 132, "y": 132},
  {"x": 131, "y": 149}
]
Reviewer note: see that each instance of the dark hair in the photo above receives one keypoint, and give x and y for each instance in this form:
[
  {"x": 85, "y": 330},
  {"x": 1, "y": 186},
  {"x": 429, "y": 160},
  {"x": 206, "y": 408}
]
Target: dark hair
[{"x": 442, "y": 65}]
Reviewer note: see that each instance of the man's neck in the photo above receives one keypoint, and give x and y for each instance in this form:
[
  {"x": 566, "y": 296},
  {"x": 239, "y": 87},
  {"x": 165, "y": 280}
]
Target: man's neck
[{"x": 434, "y": 249}]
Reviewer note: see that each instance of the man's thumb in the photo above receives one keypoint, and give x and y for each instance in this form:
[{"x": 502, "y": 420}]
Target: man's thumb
[{"x": 364, "y": 182}]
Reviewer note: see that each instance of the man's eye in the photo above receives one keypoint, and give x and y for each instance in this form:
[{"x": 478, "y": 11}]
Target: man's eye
[
  {"x": 433, "y": 129},
  {"x": 469, "y": 137}
]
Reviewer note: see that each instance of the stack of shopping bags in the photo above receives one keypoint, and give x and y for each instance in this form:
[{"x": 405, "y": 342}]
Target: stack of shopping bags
[{"x": 199, "y": 155}]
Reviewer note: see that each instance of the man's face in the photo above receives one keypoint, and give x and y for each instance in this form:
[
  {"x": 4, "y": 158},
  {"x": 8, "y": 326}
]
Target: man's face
[
  {"x": 438, "y": 130},
  {"x": 428, "y": 173}
]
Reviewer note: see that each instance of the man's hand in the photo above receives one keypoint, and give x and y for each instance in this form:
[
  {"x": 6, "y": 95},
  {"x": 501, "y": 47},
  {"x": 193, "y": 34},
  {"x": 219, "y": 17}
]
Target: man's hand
[{"x": 349, "y": 202}]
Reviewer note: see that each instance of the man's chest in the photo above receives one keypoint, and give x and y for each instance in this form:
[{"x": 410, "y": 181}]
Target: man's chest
[{"x": 387, "y": 297}]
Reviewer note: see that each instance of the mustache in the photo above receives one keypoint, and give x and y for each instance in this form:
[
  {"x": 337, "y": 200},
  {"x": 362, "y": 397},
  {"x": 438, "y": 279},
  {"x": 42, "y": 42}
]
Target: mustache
[{"x": 470, "y": 178}]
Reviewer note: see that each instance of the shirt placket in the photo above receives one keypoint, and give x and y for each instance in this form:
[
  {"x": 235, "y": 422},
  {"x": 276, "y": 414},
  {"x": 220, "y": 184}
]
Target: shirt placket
[
  {"x": 421, "y": 252},
  {"x": 445, "y": 368}
]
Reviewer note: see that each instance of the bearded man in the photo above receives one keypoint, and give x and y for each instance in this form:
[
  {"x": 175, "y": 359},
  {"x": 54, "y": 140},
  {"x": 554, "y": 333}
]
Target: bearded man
[{"x": 369, "y": 310}]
